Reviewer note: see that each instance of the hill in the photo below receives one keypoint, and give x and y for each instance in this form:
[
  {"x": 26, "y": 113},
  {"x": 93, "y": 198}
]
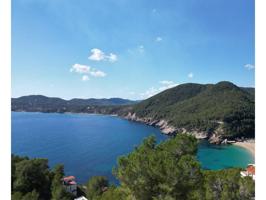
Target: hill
[
  {"x": 214, "y": 111},
  {"x": 222, "y": 110},
  {"x": 40, "y": 103}
]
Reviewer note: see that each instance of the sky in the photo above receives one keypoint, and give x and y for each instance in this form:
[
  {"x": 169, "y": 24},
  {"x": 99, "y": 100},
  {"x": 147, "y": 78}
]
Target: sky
[{"x": 129, "y": 49}]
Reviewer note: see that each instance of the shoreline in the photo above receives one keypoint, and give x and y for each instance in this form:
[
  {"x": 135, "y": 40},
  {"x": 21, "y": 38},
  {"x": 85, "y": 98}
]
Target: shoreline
[{"x": 248, "y": 145}]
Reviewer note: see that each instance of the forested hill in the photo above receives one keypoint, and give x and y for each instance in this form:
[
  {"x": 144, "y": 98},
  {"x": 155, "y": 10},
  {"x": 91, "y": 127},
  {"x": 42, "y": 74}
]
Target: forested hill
[
  {"x": 40, "y": 103},
  {"x": 223, "y": 109}
]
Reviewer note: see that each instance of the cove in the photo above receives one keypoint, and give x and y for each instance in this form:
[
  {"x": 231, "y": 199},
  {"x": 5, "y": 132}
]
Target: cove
[{"x": 89, "y": 145}]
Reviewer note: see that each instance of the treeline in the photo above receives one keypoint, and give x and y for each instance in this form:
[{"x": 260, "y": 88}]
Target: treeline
[
  {"x": 223, "y": 108},
  {"x": 33, "y": 180},
  {"x": 40, "y": 103},
  {"x": 165, "y": 171}
]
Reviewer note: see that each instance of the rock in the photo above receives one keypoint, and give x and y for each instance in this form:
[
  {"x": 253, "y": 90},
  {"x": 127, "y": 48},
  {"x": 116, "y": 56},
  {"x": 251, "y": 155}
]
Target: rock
[{"x": 215, "y": 139}]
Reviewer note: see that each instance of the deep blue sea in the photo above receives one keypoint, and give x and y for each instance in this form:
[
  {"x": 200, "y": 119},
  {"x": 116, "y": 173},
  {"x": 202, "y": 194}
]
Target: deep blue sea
[{"x": 89, "y": 145}]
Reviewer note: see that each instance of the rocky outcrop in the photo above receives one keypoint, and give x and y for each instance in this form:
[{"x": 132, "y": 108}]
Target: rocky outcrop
[
  {"x": 215, "y": 139},
  {"x": 165, "y": 127}
]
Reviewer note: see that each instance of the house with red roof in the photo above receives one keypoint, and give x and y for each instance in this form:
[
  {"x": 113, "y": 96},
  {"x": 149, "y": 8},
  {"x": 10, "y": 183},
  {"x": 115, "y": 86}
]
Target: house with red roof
[
  {"x": 70, "y": 184},
  {"x": 250, "y": 171}
]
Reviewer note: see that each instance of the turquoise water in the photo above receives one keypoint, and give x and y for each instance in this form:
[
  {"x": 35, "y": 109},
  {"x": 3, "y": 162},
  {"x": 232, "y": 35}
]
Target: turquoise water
[{"x": 89, "y": 145}]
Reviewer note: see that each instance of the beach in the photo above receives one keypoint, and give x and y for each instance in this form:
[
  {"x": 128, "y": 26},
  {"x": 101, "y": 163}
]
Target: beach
[{"x": 249, "y": 145}]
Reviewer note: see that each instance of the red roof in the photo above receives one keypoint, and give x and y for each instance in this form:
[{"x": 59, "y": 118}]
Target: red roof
[
  {"x": 72, "y": 183},
  {"x": 251, "y": 169},
  {"x": 69, "y": 178}
]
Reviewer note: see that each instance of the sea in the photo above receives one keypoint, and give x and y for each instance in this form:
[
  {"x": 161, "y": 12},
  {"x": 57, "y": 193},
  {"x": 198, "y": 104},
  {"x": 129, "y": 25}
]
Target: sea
[{"x": 90, "y": 144}]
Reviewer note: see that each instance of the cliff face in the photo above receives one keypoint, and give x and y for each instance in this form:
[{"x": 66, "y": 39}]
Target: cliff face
[{"x": 165, "y": 127}]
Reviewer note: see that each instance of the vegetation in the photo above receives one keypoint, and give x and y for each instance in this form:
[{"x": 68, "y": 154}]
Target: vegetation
[
  {"x": 39, "y": 103},
  {"x": 165, "y": 171},
  {"x": 33, "y": 180},
  {"x": 223, "y": 108}
]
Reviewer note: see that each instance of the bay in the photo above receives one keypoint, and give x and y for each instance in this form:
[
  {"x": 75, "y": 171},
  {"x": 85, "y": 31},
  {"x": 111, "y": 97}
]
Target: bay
[{"x": 89, "y": 145}]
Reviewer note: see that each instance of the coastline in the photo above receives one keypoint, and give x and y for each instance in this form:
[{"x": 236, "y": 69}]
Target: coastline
[{"x": 248, "y": 145}]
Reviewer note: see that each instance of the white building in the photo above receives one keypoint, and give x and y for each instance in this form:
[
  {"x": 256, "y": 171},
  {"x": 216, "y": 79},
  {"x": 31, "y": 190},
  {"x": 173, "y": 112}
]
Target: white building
[
  {"x": 250, "y": 171},
  {"x": 81, "y": 198}
]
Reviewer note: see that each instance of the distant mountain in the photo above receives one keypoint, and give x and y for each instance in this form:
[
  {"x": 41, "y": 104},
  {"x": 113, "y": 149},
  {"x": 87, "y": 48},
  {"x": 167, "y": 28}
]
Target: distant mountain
[
  {"x": 223, "y": 109},
  {"x": 214, "y": 111},
  {"x": 40, "y": 103}
]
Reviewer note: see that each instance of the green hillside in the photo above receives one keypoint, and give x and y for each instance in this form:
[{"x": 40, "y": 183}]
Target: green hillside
[{"x": 223, "y": 108}]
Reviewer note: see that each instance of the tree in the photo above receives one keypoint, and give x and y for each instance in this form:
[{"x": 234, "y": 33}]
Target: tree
[
  {"x": 246, "y": 188},
  {"x": 228, "y": 185},
  {"x": 113, "y": 193},
  {"x": 57, "y": 190},
  {"x": 31, "y": 196},
  {"x": 33, "y": 175},
  {"x": 164, "y": 171},
  {"x": 96, "y": 187}
]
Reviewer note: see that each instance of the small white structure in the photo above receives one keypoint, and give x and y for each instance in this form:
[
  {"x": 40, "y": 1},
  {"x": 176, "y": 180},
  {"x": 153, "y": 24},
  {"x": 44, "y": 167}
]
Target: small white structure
[
  {"x": 81, "y": 198},
  {"x": 70, "y": 184},
  {"x": 250, "y": 171}
]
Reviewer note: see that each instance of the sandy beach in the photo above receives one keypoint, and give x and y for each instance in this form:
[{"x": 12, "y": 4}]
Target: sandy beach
[{"x": 249, "y": 145}]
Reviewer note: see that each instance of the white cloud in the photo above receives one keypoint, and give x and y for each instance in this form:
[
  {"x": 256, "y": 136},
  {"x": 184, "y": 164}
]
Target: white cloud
[
  {"x": 249, "y": 66},
  {"x": 149, "y": 93},
  {"x": 99, "y": 55},
  {"x": 112, "y": 57},
  {"x": 190, "y": 75},
  {"x": 158, "y": 39},
  {"x": 87, "y": 71},
  {"x": 97, "y": 73},
  {"x": 152, "y": 91},
  {"x": 78, "y": 68},
  {"x": 166, "y": 82},
  {"x": 96, "y": 54},
  {"x": 85, "y": 78}
]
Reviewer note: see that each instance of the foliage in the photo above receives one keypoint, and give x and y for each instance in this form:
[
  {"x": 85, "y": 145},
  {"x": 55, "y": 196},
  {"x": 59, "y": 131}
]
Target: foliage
[
  {"x": 113, "y": 193},
  {"x": 40, "y": 103},
  {"x": 32, "y": 179},
  {"x": 202, "y": 107},
  {"x": 190, "y": 106},
  {"x": 96, "y": 186},
  {"x": 228, "y": 185},
  {"x": 165, "y": 171}
]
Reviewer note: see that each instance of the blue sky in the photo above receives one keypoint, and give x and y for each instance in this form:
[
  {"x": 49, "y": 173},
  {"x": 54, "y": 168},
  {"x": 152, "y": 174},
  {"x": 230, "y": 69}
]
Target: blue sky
[{"x": 129, "y": 49}]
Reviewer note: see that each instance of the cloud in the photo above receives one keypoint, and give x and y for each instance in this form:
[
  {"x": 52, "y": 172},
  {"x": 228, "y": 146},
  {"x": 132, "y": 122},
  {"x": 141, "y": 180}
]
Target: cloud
[
  {"x": 99, "y": 55},
  {"x": 96, "y": 54},
  {"x": 158, "y": 39},
  {"x": 97, "y": 73},
  {"x": 87, "y": 71},
  {"x": 166, "y": 82},
  {"x": 85, "y": 78},
  {"x": 190, "y": 75},
  {"x": 152, "y": 91},
  {"x": 78, "y": 68},
  {"x": 249, "y": 66},
  {"x": 112, "y": 57},
  {"x": 149, "y": 93}
]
